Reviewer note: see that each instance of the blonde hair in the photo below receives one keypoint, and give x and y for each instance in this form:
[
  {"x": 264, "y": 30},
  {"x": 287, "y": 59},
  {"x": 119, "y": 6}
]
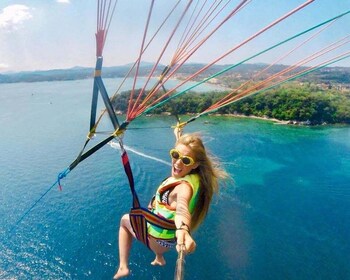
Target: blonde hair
[{"x": 209, "y": 171}]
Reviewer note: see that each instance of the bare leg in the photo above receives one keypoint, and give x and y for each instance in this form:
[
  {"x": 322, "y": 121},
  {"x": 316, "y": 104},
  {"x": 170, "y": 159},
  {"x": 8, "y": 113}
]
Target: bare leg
[
  {"x": 159, "y": 251},
  {"x": 125, "y": 241}
]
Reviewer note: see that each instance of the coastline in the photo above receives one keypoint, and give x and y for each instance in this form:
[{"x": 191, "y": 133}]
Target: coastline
[
  {"x": 274, "y": 120},
  {"x": 277, "y": 121},
  {"x": 283, "y": 122},
  {"x": 280, "y": 122}
]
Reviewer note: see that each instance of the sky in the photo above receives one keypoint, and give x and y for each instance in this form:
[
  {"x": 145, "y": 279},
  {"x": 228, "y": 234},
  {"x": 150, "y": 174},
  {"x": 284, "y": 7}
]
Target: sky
[{"x": 60, "y": 34}]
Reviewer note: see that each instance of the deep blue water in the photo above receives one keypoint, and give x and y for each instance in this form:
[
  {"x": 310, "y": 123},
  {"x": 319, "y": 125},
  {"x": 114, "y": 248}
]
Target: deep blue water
[{"x": 287, "y": 215}]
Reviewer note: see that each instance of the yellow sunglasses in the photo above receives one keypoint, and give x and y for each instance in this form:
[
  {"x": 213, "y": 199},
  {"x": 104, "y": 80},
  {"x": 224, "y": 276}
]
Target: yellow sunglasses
[{"x": 186, "y": 160}]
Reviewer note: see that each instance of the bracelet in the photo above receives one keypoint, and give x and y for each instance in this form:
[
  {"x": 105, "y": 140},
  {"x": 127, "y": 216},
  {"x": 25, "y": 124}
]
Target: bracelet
[{"x": 182, "y": 227}]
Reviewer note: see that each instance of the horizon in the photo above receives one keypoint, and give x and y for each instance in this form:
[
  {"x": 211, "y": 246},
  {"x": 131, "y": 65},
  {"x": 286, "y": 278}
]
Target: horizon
[
  {"x": 127, "y": 64},
  {"x": 35, "y": 38}
]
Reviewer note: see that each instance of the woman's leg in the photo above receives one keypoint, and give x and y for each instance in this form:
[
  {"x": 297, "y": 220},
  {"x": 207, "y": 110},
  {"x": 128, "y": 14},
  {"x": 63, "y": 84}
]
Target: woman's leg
[
  {"x": 159, "y": 251},
  {"x": 125, "y": 240}
]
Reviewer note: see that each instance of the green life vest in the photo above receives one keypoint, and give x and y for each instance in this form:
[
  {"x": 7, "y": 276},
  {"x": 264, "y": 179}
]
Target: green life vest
[{"x": 162, "y": 209}]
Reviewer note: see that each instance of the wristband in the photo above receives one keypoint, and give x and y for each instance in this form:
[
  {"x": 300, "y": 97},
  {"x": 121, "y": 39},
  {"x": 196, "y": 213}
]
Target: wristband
[{"x": 184, "y": 227}]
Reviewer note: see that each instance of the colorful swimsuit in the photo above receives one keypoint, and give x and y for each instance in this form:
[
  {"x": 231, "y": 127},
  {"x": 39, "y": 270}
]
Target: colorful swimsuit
[{"x": 161, "y": 207}]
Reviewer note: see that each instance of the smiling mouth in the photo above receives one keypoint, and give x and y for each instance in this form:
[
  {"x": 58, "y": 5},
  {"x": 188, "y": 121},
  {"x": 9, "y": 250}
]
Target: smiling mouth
[{"x": 176, "y": 169}]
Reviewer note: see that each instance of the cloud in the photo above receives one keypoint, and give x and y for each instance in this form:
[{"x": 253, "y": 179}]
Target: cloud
[
  {"x": 12, "y": 17},
  {"x": 63, "y": 1},
  {"x": 3, "y": 66}
]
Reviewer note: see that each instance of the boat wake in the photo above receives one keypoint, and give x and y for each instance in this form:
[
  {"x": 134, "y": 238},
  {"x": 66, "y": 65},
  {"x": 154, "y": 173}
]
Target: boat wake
[{"x": 115, "y": 145}]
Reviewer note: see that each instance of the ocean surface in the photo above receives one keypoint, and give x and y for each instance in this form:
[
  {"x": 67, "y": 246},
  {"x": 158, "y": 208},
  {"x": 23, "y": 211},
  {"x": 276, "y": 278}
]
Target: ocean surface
[{"x": 285, "y": 216}]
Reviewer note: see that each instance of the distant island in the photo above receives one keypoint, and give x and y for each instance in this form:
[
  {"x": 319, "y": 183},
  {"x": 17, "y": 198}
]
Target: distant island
[
  {"x": 322, "y": 97},
  {"x": 330, "y": 76}
]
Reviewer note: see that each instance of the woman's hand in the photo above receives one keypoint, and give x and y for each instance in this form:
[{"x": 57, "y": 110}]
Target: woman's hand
[
  {"x": 178, "y": 131},
  {"x": 185, "y": 241}
]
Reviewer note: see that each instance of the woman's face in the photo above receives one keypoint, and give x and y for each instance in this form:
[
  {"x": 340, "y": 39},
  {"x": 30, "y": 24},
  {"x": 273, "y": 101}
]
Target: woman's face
[{"x": 179, "y": 168}]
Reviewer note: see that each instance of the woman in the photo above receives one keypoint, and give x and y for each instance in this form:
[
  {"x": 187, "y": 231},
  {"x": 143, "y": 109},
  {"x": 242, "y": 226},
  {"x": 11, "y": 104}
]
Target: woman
[{"x": 184, "y": 197}]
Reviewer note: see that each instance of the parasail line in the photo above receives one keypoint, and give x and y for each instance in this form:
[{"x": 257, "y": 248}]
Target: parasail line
[
  {"x": 234, "y": 11},
  {"x": 240, "y": 7},
  {"x": 228, "y": 52},
  {"x": 160, "y": 103},
  {"x": 129, "y": 113},
  {"x": 228, "y": 96},
  {"x": 134, "y": 65},
  {"x": 148, "y": 44},
  {"x": 317, "y": 54},
  {"x": 141, "y": 52},
  {"x": 293, "y": 77},
  {"x": 286, "y": 55}
]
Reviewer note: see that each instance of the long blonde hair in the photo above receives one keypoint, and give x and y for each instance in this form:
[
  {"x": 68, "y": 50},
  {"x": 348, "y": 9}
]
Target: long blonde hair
[{"x": 209, "y": 171}]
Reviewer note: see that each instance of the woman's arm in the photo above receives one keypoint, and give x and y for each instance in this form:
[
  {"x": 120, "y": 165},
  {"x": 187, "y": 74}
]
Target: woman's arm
[
  {"x": 178, "y": 131},
  {"x": 183, "y": 218}
]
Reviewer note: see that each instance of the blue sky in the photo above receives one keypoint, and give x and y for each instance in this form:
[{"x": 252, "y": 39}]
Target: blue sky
[{"x": 55, "y": 34}]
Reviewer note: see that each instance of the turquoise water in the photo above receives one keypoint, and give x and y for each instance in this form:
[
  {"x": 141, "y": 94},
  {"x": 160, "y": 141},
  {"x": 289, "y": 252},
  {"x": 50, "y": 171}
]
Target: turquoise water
[{"x": 287, "y": 215}]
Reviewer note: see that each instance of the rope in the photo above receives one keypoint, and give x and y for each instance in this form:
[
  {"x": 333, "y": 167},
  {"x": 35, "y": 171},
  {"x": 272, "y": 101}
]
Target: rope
[
  {"x": 290, "y": 78},
  {"x": 228, "y": 96},
  {"x": 130, "y": 114},
  {"x": 161, "y": 99},
  {"x": 289, "y": 69},
  {"x": 104, "y": 19},
  {"x": 179, "y": 63},
  {"x": 60, "y": 176},
  {"x": 140, "y": 55},
  {"x": 152, "y": 107}
]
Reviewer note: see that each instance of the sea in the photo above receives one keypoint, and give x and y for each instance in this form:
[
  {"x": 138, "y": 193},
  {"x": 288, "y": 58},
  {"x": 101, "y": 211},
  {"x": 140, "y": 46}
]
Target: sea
[{"x": 285, "y": 214}]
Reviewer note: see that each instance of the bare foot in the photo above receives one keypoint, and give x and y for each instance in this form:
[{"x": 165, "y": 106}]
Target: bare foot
[
  {"x": 159, "y": 260},
  {"x": 122, "y": 272}
]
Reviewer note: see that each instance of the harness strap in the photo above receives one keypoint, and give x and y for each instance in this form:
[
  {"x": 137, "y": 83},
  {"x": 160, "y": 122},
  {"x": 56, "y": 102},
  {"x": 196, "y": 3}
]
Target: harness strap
[
  {"x": 88, "y": 153},
  {"x": 128, "y": 171},
  {"x": 139, "y": 225},
  {"x": 98, "y": 88},
  {"x": 139, "y": 216},
  {"x": 154, "y": 219}
]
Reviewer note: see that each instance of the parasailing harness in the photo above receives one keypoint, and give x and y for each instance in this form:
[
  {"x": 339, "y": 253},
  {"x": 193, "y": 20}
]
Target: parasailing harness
[{"x": 139, "y": 216}]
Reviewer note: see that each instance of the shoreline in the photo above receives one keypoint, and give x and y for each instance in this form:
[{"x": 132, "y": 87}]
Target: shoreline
[
  {"x": 282, "y": 122},
  {"x": 274, "y": 120},
  {"x": 258, "y": 118}
]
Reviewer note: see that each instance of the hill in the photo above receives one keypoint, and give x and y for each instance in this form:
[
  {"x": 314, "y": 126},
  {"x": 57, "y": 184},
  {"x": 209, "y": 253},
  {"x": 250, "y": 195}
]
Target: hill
[{"x": 330, "y": 76}]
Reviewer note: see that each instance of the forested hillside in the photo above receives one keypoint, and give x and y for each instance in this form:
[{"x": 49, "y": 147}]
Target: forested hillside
[{"x": 300, "y": 103}]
